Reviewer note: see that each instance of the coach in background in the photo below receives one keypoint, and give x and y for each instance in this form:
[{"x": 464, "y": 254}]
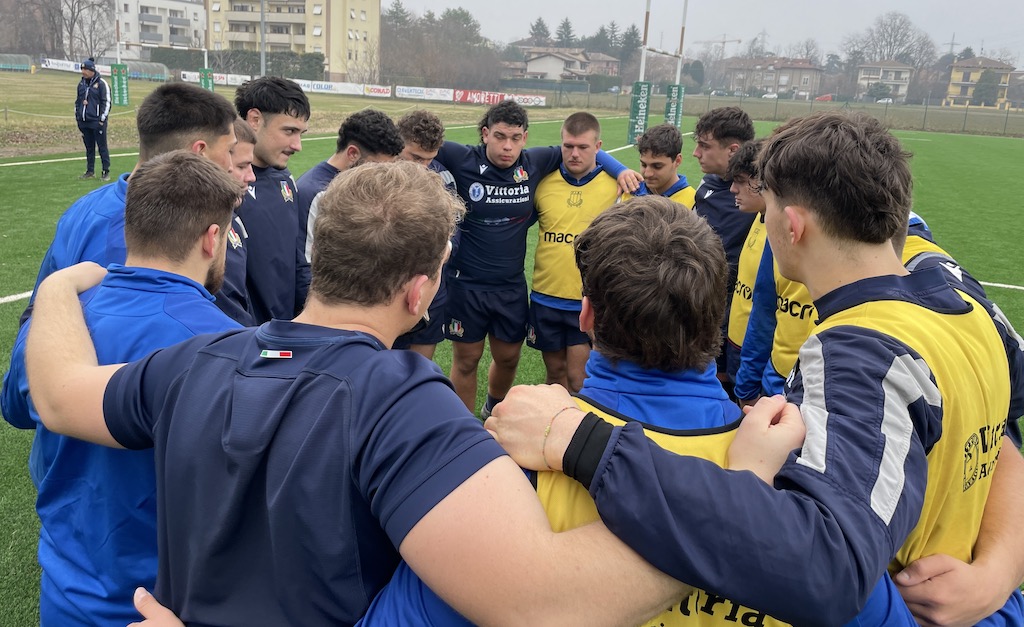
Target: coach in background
[{"x": 92, "y": 106}]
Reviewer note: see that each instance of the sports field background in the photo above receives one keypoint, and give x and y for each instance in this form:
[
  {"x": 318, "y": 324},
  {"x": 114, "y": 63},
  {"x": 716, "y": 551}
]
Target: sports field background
[{"x": 968, "y": 188}]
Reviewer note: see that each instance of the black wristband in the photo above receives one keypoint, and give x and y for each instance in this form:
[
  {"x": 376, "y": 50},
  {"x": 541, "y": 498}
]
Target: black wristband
[{"x": 586, "y": 448}]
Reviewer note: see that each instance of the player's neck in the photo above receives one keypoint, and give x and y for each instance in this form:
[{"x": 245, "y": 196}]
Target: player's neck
[
  {"x": 378, "y": 321},
  {"x": 190, "y": 268},
  {"x": 668, "y": 186},
  {"x": 834, "y": 265}
]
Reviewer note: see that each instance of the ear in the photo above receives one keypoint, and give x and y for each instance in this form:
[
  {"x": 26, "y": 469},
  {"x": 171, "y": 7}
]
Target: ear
[
  {"x": 210, "y": 241},
  {"x": 797, "y": 218},
  {"x": 198, "y": 147},
  {"x": 587, "y": 316},
  {"x": 733, "y": 147},
  {"x": 352, "y": 154},
  {"x": 678, "y": 160},
  {"x": 254, "y": 117},
  {"x": 414, "y": 295},
  {"x": 598, "y": 144}
]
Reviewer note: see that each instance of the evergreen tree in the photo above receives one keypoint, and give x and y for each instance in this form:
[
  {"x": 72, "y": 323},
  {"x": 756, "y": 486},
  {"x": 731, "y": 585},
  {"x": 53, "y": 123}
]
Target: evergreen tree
[
  {"x": 539, "y": 33},
  {"x": 564, "y": 36},
  {"x": 986, "y": 90}
]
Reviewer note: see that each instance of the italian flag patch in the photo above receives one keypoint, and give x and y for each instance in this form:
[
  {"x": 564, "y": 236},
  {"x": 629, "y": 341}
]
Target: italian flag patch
[{"x": 276, "y": 354}]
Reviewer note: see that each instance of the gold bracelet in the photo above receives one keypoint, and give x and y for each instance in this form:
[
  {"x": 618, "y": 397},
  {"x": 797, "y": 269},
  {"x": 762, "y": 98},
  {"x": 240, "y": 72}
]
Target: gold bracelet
[{"x": 547, "y": 432}]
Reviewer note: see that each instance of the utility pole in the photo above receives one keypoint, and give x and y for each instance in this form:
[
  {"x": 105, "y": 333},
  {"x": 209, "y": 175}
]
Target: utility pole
[
  {"x": 682, "y": 36},
  {"x": 951, "y": 43}
]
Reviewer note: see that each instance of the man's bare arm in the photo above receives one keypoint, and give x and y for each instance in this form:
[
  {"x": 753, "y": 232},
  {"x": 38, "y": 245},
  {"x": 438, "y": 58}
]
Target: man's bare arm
[
  {"x": 488, "y": 550},
  {"x": 942, "y": 590},
  {"x": 65, "y": 381}
]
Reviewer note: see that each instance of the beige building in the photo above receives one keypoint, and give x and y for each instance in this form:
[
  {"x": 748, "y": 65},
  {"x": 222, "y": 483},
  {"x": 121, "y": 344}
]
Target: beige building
[
  {"x": 892, "y": 73},
  {"x": 772, "y": 75},
  {"x": 964, "y": 78},
  {"x": 346, "y": 32}
]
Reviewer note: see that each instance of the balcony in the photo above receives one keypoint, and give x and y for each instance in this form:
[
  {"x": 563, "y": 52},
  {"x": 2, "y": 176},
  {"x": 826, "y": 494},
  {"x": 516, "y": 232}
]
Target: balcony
[
  {"x": 181, "y": 40},
  {"x": 233, "y": 36},
  {"x": 284, "y": 18},
  {"x": 150, "y": 18},
  {"x": 179, "y": 21},
  {"x": 279, "y": 38},
  {"x": 151, "y": 38}
]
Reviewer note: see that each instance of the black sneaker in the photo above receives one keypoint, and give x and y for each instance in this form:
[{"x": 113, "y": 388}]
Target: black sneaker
[
  {"x": 105, "y": 176},
  {"x": 87, "y": 175}
]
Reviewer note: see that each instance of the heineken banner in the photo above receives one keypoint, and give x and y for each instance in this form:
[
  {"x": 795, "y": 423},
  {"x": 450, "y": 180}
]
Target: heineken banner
[
  {"x": 119, "y": 84},
  {"x": 206, "y": 79},
  {"x": 638, "y": 111},
  {"x": 674, "y": 105}
]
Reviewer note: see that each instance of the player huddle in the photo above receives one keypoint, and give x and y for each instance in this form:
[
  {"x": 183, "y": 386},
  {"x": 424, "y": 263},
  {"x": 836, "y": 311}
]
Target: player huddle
[{"x": 289, "y": 464}]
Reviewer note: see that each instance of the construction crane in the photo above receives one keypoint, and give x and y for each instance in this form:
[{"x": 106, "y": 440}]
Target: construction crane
[{"x": 721, "y": 41}]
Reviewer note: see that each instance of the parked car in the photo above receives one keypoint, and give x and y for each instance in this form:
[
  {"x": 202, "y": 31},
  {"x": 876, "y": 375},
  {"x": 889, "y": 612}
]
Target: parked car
[
  {"x": 719, "y": 92},
  {"x": 615, "y": 89},
  {"x": 884, "y": 101},
  {"x": 825, "y": 98},
  {"x": 771, "y": 96}
]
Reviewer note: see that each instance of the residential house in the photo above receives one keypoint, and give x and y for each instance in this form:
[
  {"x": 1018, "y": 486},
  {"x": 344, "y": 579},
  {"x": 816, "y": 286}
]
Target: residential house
[
  {"x": 892, "y": 73},
  {"x": 964, "y": 78},
  {"x": 772, "y": 75}
]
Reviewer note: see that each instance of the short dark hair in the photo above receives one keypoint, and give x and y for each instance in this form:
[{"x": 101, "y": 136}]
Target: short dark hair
[
  {"x": 380, "y": 225},
  {"x": 174, "y": 115},
  {"x": 846, "y": 168},
  {"x": 655, "y": 274},
  {"x": 172, "y": 199},
  {"x": 373, "y": 131},
  {"x": 508, "y": 111},
  {"x": 581, "y": 122},
  {"x": 243, "y": 132},
  {"x": 422, "y": 128},
  {"x": 272, "y": 95},
  {"x": 726, "y": 125},
  {"x": 743, "y": 162},
  {"x": 663, "y": 140}
]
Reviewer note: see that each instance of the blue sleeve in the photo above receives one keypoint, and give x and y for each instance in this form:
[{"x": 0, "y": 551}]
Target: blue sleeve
[
  {"x": 610, "y": 164},
  {"x": 756, "y": 352},
  {"x": 406, "y": 600},
  {"x": 811, "y": 551},
  {"x": 14, "y": 400}
]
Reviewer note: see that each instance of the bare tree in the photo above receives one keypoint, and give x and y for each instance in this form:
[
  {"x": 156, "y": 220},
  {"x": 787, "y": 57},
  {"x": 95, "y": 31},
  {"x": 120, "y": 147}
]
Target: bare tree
[
  {"x": 894, "y": 36},
  {"x": 367, "y": 68},
  {"x": 96, "y": 30},
  {"x": 806, "y": 49}
]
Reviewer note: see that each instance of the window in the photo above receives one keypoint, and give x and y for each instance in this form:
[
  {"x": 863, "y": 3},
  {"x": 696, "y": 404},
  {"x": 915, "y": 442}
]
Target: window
[
  {"x": 365, "y": 36},
  {"x": 352, "y": 14},
  {"x": 279, "y": 29},
  {"x": 216, "y": 27},
  {"x": 216, "y": 45},
  {"x": 127, "y": 27},
  {"x": 317, "y": 31},
  {"x": 351, "y": 35},
  {"x": 805, "y": 81},
  {"x": 362, "y": 15},
  {"x": 350, "y": 55},
  {"x": 967, "y": 77},
  {"x": 318, "y": 9},
  {"x": 213, "y": 7},
  {"x": 125, "y": 7},
  {"x": 317, "y": 49},
  {"x": 300, "y": 29}
]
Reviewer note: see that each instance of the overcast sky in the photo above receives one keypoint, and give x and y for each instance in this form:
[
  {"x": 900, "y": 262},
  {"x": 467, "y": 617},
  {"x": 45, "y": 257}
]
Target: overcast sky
[{"x": 988, "y": 24}]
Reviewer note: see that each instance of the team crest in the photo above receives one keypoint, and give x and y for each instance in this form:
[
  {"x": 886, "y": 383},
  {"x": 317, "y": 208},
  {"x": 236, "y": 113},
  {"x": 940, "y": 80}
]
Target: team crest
[
  {"x": 286, "y": 192},
  {"x": 455, "y": 328},
  {"x": 233, "y": 238},
  {"x": 531, "y": 335},
  {"x": 476, "y": 192},
  {"x": 972, "y": 460},
  {"x": 575, "y": 200},
  {"x": 520, "y": 175}
]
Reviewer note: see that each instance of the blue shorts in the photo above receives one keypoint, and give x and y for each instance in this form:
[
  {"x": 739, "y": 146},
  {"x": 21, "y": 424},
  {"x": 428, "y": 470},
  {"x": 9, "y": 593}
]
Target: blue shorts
[
  {"x": 430, "y": 334},
  {"x": 549, "y": 329},
  {"x": 473, "y": 314}
]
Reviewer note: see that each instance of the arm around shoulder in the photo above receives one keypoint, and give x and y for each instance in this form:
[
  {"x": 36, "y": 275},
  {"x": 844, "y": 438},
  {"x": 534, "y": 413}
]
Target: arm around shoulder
[{"x": 66, "y": 382}]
